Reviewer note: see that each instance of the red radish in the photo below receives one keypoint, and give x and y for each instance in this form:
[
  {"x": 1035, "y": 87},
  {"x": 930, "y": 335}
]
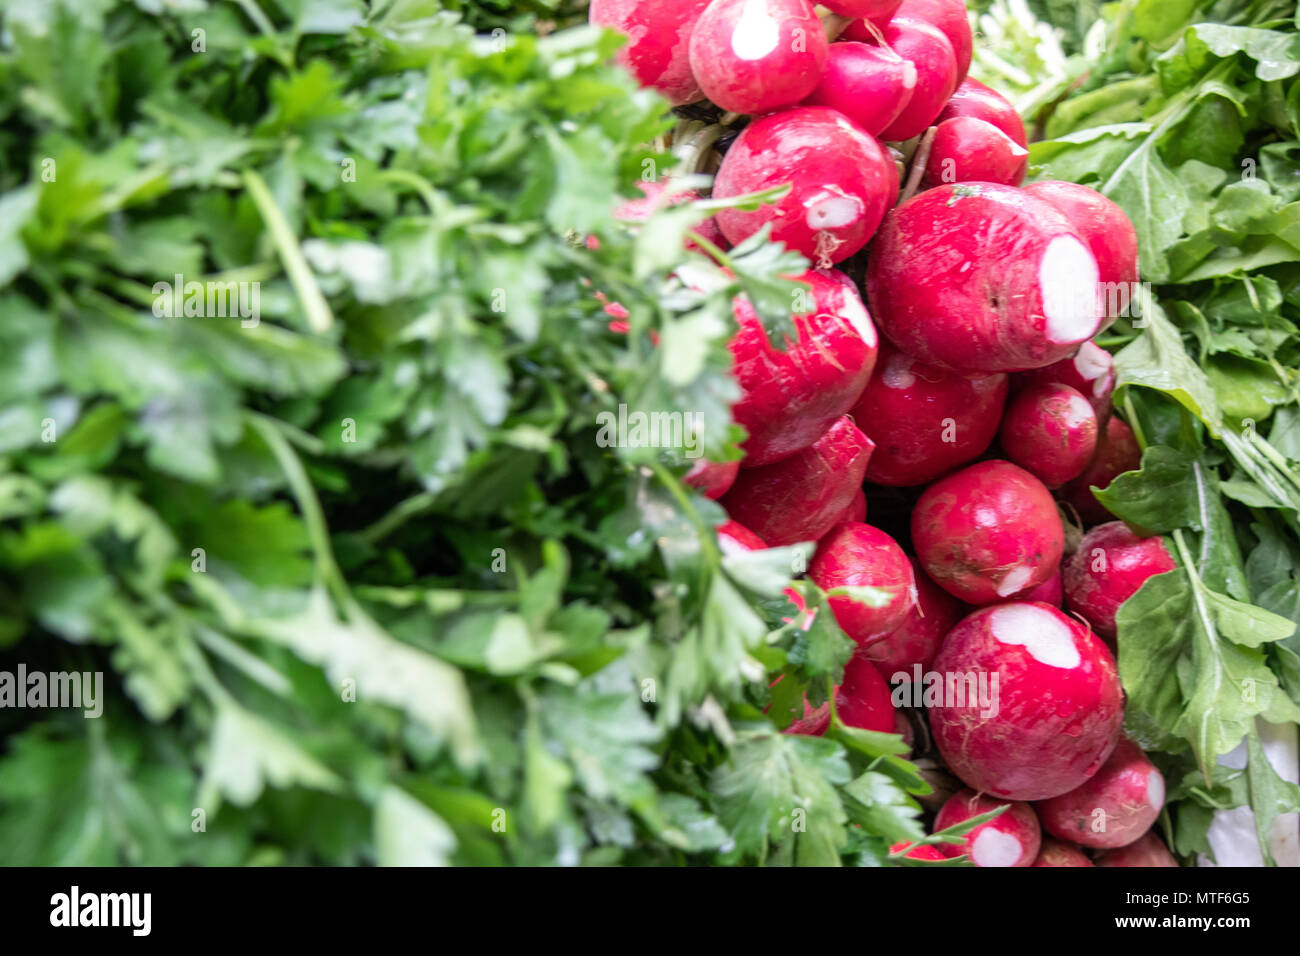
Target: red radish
[
  {"x": 926, "y": 420},
  {"x": 966, "y": 149},
  {"x": 1055, "y": 853},
  {"x": 950, "y": 17},
  {"x": 870, "y": 85},
  {"x": 714, "y": 478},
  {"x": 799, "y": 498},
  {"x": 1056, "y": 705},
  {"x": 917, "y": 639},
  {"x": 755, "y": 56},
  {"x": 1051, "y": 432},
  {"x": 988, "y": 532},
  {"x": 1149, "y": 851},
  {"x": 735, "y": 538},
  {"x": 871, "y": 9},
  {"x": 1010, "y": 839},
  {"x": 1050, "y": 592},
  {"x": 860, "y": 30},
  {"x": 814, "y": 721},
  {"x": 903, "y": 727},
  {"x": 858, "y": 555},
  {"x": 1109, "y": 234},
  {"x": 657, "y": 196},
  {"x": 842, "y": 180},
  {"x": 1117, "y": 452},
  {"x": 925, "y": 852},
  {"x": 982, "y": 277},
  {"x": 657, "y": 54},
  {"x": 973, "y": 98},
  {"x": 936, "y": 74},
  {"x": 857, "y": 509},
  {"x": 1109, "y": 567},
  {"x": 863, "y": 699},
  {"x": 790, "y": 397},
  {"x": 1091, "y": 372},
  {"x": 1112, "y": 809}
]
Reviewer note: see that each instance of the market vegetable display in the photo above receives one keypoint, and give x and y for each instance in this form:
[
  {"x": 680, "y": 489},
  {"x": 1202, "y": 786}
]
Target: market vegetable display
[{"x": 668, "y": 439}]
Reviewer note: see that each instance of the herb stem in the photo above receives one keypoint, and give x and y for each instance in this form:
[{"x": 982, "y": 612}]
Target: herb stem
[{"x": 319, "y": 316}]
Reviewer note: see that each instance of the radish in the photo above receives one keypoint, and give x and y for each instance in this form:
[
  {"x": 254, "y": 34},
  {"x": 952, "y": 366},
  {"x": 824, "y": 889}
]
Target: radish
[
  {"x": 1010, "y": 839},
  {"x": 714, "y": 478},
  {"x": 863, "y": 9},
  {"x": 863, "y": 699},
  {"x": 982, "y": 277},
  {"x": 973, "y": 98},
  {"x": 755, "y": 56},
  {"x": 1091, "y": 372},
  {"x": 790, "y": 398},
  {"x": 871, "y": 85},
  {"x": 1112, "y": 809},
  {"x": 657, "y": 196},
  {"x": 856, "y": 555},
  {"x": 1148, "y": 851},
  {"x": 924, "y": 852},
  {"x": 857, "y": 509},
  {"x": 735, "y": 538},
  {"x": 1055, "y": 853},
  {"x": 966, "y": 149},
  {"x": 936, "y": 74},
  {"x": 1110, "y": 236},
  {"x": 1051, "y": 432},
  {"x": 950, "y": 17},
  {"x": 1109, "y": 567},
  {"x": 988, "y": 532},
  {"x": 801, "y": 497},
  {"x": 814, "y": 721},
  {"x": 917, "y": 639},
  {"x": 1117, "y": 452},
  {"x": 842, "y": 182},
  {"x": 1056, "y": 711},
  {"x": 657, "y": 54},
  {"x": 926, "y": 420}
]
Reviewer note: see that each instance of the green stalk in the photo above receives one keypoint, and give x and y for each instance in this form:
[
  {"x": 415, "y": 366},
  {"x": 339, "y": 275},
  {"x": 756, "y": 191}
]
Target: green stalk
[
  {"x": 308, "y": 504},
  {"x": 319, "y": 316}
]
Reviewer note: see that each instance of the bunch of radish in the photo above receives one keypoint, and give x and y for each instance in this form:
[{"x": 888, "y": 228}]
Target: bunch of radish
[{"x": 981, "y": 413}]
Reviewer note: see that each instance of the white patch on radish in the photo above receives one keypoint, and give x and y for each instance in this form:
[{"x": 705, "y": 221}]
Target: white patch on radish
[
  {"x": 909, "y": 74},
  {"x": 1067, "y": 279},
  {"x": 1155, "y": 790},
  {"x": 1047, "y": 639},
  {"x": 1092, "y": 363},
  {"x": 756, "y": 33},
  {"x": 1077, "y": 411},
  {"x": 994, "y": 848},
  {"x": 852, "y": 309},
  {"x": 898, "y": 373},
  {"x": 832, "y": 211},
  {"x": 1017, "y": 579}
]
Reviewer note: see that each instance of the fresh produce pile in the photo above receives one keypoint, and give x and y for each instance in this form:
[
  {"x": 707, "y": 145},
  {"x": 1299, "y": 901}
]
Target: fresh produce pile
[
  {"x": 987, "y": 393},
  {"x": 388, "y": 571}
]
